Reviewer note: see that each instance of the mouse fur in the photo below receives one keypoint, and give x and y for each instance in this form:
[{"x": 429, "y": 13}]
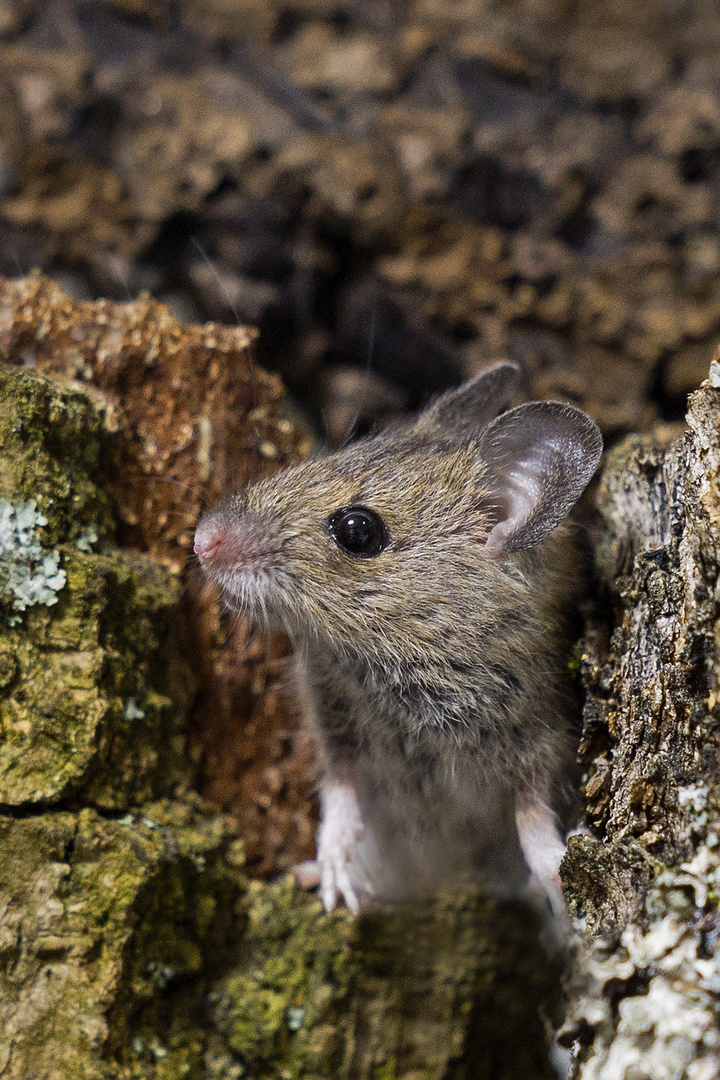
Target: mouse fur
[{"x": 434, "y": 673}]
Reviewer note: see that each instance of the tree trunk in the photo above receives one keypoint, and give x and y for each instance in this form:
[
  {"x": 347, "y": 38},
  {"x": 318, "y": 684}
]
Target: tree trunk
[
  {"x": 124, "y": 911},
  {"x": 645, "y": 998}
]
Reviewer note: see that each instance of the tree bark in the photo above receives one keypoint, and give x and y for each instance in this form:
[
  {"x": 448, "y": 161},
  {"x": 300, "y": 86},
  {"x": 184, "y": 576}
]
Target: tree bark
[{"x": 645, "y": 998}]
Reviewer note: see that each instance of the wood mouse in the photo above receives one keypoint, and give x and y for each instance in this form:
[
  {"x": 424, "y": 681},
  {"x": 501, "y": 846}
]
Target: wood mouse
[{"x": 425, "y": 578}]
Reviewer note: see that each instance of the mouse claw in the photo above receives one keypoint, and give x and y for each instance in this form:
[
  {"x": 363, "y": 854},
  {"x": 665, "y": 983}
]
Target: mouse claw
[
  {"x": 346, "y": 889},
  {"x": 335, "y": 877},
  {"x": 328, "y": 888},
  {"x": 354, "y": 888},
  {"x": 307, "y": 874},
  {"x": 334, "y": 881}
]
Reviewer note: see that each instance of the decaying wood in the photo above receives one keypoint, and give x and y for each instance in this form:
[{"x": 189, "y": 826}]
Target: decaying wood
[
  {"x": 133, "y": 942},
  {"x": 647, "y": 989}
]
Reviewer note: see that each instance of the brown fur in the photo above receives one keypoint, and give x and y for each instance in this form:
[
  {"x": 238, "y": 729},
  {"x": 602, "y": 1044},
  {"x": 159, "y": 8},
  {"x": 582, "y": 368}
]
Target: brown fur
[{"x": 434, "y": 672}]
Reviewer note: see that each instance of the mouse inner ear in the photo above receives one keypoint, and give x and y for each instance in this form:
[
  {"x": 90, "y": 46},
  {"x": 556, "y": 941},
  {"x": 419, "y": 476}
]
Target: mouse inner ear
[
  {"x": 541, "y": 457},
  {"x": 462, "y": 413}
]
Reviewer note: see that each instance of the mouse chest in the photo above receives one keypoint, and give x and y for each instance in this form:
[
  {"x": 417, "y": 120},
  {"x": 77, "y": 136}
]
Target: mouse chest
[
  {"x": 431, "y": 816},
  {"x": 387, "y": 748},
  {"x": 432, "y": 804},
  {"x": 356, "y": 717}
]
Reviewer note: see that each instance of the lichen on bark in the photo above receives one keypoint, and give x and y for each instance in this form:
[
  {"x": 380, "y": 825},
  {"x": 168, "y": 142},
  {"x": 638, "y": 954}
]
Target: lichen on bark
[
  {"x": 93, "y": 696},
  {"x": 645, "y": 992},
  {"x": 105, "y": 934},
  {"x": 456, "y": 990},
  {"x": 181, "y": 416},
  {"x": 133, "y": 944},
  {"x": 113, "y": 909}
]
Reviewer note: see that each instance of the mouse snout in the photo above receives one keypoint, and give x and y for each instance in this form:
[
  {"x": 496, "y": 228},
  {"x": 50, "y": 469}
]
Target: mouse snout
[
  {"x": 210, "y": 537},
  {"x": 228, "y": 543}
]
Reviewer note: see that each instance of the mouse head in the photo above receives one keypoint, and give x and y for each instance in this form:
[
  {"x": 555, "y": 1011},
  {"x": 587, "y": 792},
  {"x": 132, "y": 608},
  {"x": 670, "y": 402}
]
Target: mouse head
[{"x": 371, "y": 543}]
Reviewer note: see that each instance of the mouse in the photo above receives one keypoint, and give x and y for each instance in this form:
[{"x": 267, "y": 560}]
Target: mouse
[{"x": 426, "y": 575}]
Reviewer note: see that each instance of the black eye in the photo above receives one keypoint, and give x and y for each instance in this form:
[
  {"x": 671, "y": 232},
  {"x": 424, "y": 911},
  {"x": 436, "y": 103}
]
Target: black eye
[{"x": 358, "y": 531}]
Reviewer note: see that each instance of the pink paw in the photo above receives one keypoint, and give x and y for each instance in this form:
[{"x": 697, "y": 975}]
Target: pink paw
[
  {"x": 543, "y": 849},
  {"x": 341, "y": 871}
]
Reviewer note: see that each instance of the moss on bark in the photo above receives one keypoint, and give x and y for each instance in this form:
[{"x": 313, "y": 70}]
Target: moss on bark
[
  {"x": 186, "y": 415},
  {"x": 52, "y": 444},
  {"x": 109, "y": 926},
  {"x": 105, "y": 935},
  {"x": 93, "y": 703},
  {"x": 453, "y": 991},
  {"x": 94, "y": 696}
]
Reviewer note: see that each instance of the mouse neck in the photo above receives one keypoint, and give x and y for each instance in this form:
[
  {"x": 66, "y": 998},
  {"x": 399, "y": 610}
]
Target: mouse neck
[{"x": 420, "y": 699}]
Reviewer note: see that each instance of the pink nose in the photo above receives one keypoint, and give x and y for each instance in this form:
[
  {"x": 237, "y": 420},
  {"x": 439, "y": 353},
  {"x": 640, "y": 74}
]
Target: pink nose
[{"x": 209, "y": 537}]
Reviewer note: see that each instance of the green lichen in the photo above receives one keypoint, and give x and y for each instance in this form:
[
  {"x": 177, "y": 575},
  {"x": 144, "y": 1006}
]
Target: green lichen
[
  {"x": 95, "y": 698},
  {"x": 189, "y": 931},
  {"x": 94, "y": 695},
  {"x": 53, "y": 445},
  {"x": 117, "y": 931},
  {"x": 110, "y": 930},
  {"x": 280, "y": 1009},
  {"x": 87, "y": 538}
]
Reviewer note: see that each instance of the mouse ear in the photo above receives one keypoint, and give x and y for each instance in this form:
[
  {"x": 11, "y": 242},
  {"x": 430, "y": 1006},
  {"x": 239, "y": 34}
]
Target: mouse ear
[
  {"x": 541, "y": 457},
  {"x": 462, "y": 413}
]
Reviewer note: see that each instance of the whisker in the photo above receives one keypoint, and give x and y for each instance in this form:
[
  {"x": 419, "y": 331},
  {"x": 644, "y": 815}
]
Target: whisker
[
  {"x": 363, "y": 397},
  {"x": 236, "y": 314}
]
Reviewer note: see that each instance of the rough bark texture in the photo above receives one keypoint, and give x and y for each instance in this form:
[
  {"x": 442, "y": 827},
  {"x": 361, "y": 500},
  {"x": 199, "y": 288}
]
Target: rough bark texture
[
  {"x": 647, "y": 1000},
  {"x": 107, "y": 895},
  {"x": 425, "y": 184},
  {"x": 135, "y": 945},
  {"x": 461, "y": 991}
]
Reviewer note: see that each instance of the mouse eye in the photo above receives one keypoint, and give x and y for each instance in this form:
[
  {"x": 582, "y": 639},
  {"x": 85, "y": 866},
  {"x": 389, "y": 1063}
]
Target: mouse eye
[{"x": 358, "y": 531}]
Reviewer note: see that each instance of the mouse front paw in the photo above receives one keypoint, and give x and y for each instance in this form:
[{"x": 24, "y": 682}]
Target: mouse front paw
[{"x": 340, "y": 866}]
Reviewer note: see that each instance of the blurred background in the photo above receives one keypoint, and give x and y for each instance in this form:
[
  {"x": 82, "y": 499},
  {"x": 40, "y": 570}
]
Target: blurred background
[{"x": 394, "y": 191}]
